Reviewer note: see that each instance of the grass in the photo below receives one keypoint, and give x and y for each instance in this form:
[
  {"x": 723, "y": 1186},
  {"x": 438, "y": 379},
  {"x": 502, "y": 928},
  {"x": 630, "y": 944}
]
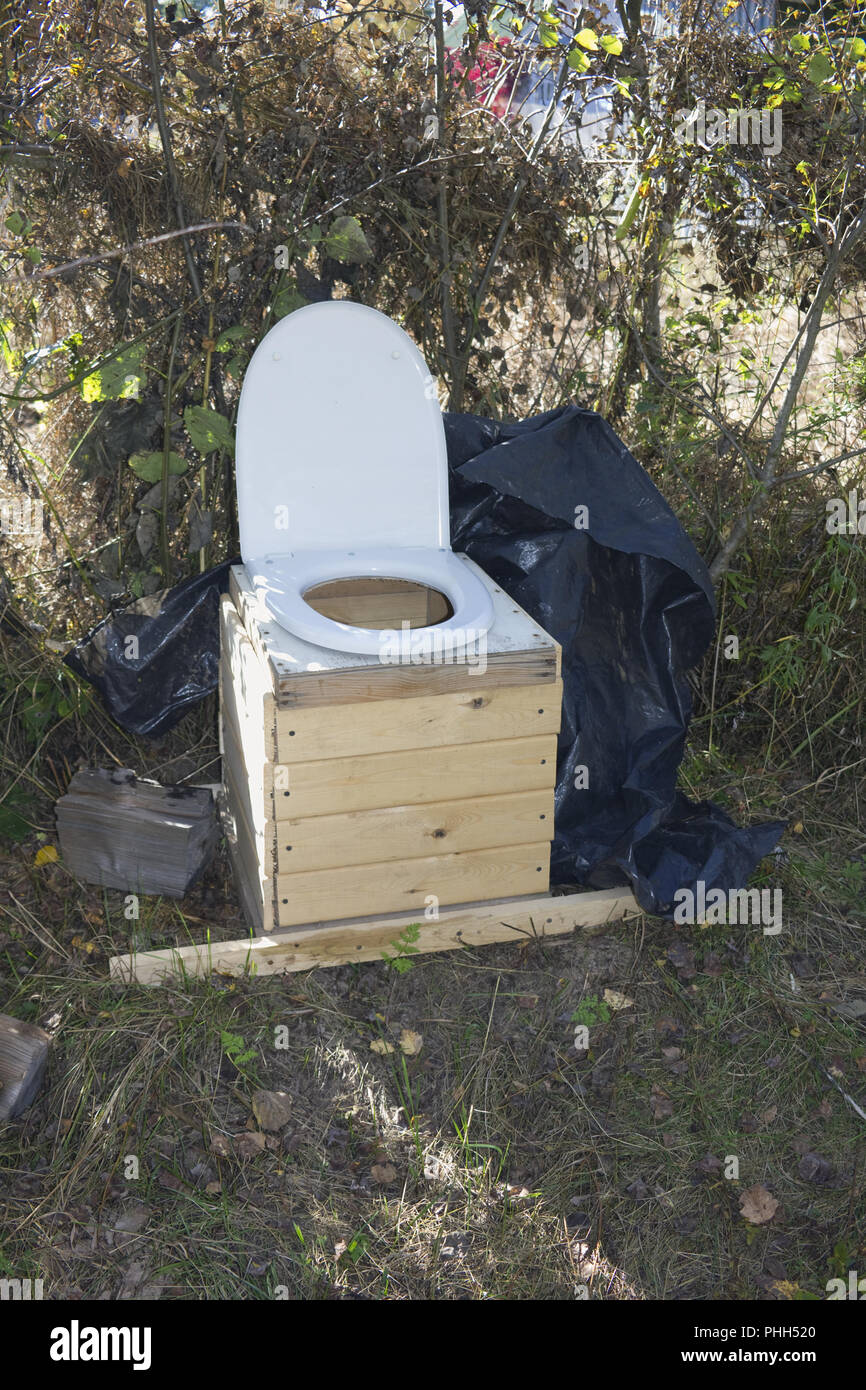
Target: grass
[{"x": 498, "y": 1162}]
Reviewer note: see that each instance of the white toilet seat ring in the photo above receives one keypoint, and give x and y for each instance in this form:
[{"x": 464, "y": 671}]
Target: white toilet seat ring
[{"x": 282, "y": 580}]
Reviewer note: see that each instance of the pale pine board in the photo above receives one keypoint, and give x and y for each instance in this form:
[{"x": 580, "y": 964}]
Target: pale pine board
[
  {"x": 408, "y": 832},
  {"x": 412, "y": 776},
  {"x": 425, "y": 721},
  {"x": 365, "y": 890},
  {"x": 524, "y": 920}
]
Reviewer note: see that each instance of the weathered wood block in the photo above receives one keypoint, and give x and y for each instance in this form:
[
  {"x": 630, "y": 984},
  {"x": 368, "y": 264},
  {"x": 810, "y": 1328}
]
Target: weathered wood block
[
  {"x": 121, "y": 832},
  {"x": 23, "y": 1056},
  {"x": 355, "y": 787}
]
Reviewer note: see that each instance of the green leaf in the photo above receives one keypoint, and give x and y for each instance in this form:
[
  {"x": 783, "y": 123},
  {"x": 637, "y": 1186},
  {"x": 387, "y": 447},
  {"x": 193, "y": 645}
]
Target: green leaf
[
  {"x": 286, "y": 301},
  {"x": 800, "y": 43},
  {"x": 629, "y": 213},
  {"x": 117, "y": 380},
  {"x": 148, "y": 467},
  {"x": 855, "y": 48},
  {"x": 17, "y": 224},
  {"x": 208, "y": 430},
  {"x": 547, "y": 36},
  {"x": 235, "y": 334},
  {"x": 820, "y": 68},
  {"x": 611, "y": 44},
  {"x": 587, "y": 38},
  {"x": 578, "y": 60},
  {"x": 346, "y": 242},
  {"x": 33, "y": 254}
]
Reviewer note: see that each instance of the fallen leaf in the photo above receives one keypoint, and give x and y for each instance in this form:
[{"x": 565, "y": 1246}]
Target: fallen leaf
[
  {"x": 769, "y": 1115},
  {"x": 272, "y": 1109},
  {"x": 709, "y": 1165},
  {"x": 213, "y": 1188},
  {"x": 167, "y": 1179},
  {"x": 247, "y": 1145},
  {"x": 46, "y": 855},
  {"x": 221, "y": 1145},
  {"x": 410, "y": 1043},
  {"x": 383, "y": 1173},
  {"x": 813, "y": 1168},
  {"x": 682, "y": 958},
  {"x": 381, "y": 1047},
  {"x": 616, "y": 1000},
  {"x": 757, "y": 1205},
  {"x": 661, "y": 1105},
  {"x": 825, "y": 1109}
]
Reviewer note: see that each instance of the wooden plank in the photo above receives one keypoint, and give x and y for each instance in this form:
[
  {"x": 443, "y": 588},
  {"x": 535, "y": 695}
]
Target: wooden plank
[
  {"x": 362, "y": 890},
  {"x": 247, "y": 695},
  {"x": 471, "y": 715},
  {"x": 412, "y": 777},
  {"x": 411, "y": 832},
  {"x": 251, "y": 847},
  {"x": 245, "y": 879},
  {"x": 526, "y": 919},
  {"x": 516, "y": 651}
]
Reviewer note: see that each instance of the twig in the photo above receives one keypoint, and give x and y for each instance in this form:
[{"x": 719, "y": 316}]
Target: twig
[
  {"x": 812, "y": 326},
  {"x": 446, "y": 279},
  {"x": 124, "y": 251},
  {"x": 162, "y": 124}
]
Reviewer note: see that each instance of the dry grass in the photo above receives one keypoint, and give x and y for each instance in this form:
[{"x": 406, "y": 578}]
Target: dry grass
[{"x": 498, "y": 1162}]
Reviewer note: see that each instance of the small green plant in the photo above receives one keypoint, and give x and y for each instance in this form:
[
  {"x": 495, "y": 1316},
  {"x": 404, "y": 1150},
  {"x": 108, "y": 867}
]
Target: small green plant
[
  {"x": 404, "y": 947},
  {"x": 236, "y": 1049},
  {"x": 591, "y": 1011}
]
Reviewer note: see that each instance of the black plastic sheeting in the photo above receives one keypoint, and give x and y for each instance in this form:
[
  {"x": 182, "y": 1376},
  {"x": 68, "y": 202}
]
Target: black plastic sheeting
[
  {"x": 631, "y": 602},
  {"x": 148, "y": 684},
  {"x": 624, "y": 592}
]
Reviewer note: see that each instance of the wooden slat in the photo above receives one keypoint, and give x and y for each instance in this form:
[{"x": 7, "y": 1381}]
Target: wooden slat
[
  {"x": 254, "y": 849},
  {"x": 410, "y": 832},
  {"x": 427, "y": 721},
  {"x": 245, "y": 877},
  {"x": 363, "y": 890},
  {"x": 525, "y": 919},
  {"x": 517, "y": 652},
  {"x": 413, "y": 777}
]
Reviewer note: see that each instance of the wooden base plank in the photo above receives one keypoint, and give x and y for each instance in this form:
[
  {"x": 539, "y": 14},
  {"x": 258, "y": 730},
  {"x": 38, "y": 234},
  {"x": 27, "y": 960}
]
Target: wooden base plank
[{"x": 522, "y": 920}]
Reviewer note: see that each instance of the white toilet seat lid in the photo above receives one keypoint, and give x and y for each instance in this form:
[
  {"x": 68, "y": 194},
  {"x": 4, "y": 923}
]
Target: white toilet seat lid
[
  {"x": 280, "y": 582},
  {"x": 339, "y": 437}
]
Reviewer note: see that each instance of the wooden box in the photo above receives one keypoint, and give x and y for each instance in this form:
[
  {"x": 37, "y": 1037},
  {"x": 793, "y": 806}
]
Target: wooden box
[{"x": 356, "y": 789}]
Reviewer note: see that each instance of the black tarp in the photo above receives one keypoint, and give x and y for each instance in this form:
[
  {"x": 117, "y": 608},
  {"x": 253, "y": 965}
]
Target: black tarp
[
  {"x": 630, "y": 600},
  {"x": 623, "y": 590}
]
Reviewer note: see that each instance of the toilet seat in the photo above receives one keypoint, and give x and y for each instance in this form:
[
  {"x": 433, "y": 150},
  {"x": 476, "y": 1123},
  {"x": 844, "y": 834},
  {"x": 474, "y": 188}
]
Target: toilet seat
[
  {"x": 282, "y": 580},
  {"x": 342, "y": 472}
]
